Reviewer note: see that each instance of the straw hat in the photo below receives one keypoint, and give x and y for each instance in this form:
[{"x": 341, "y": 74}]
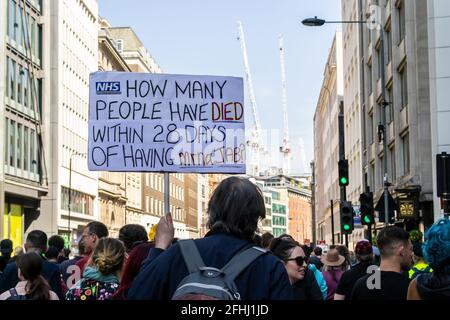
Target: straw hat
[{"x": 332, "y": 258}]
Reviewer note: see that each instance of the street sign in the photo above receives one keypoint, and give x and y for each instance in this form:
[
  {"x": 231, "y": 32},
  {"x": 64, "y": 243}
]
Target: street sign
[
  {"x": 392, "y": 207},
  {"x": 407, "y": 208}
]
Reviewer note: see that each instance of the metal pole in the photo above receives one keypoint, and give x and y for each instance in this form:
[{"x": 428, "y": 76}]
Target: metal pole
[
  {"x": 166, "y": 193},
  {"x": 383, "y": 118},
  {"x": 313, "y": 205},
  {"x": 70, "y": 197},
  {"x": 332, "y": 222}
]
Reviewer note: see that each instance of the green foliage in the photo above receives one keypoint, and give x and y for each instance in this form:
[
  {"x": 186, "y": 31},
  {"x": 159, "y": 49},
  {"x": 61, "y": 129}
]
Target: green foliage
[
  {"x": 415, "y": 236},
  {"x": 374, "y": 240}
]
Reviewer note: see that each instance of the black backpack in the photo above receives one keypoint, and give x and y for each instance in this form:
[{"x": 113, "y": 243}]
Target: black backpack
[{"x": 208, "y": 283}]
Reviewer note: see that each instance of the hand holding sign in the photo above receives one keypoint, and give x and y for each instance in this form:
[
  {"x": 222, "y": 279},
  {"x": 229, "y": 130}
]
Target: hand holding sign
[{"x": 166, "y": 123}]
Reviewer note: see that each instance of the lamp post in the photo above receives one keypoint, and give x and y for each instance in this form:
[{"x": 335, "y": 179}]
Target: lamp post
[
  {"x": 316, "y": 22},
  {"x": 69, "y": 205}
]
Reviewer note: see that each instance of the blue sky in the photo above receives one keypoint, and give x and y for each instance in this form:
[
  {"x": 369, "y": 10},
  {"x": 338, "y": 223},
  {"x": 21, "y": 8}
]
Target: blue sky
[{"x": 200, "y": 37}]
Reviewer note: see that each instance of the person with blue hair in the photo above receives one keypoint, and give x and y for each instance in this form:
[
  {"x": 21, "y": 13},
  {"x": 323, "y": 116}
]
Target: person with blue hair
[{"x": 436, "y": 250}]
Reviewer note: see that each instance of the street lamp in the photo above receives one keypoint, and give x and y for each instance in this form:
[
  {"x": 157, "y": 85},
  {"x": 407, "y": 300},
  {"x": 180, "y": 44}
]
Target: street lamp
[
  {"x": 316, "y": 22},
  {"x": 70, "y": 190}
]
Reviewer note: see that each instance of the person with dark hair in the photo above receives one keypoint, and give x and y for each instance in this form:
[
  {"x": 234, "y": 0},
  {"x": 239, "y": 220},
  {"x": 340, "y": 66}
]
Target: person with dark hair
[
  {"x": 32, "y": 285},
  {"x": 257, "y": 240},
  {"x": 436, "y": 250},
  {"x": 315, "y": 258},
  {"x": 132, "y": 234},
  {"x": 6, "y": 248},
  {"x": 94, "y": 231},
  {"x": 101, "y": 277},
  {"x": 364, "y": 256},
  {"x": 390, "y": 282},
  {"x": 303, "y": 282},
  {"x": 36, "y": 241},
  {"x": 420, "y": 265},
  {"x": 52, "y": 254},
  {"x": 234, "y": 211},
  {"x": 265, "y": 240},
  {"x": 132, "y": 266},
  {"x": 58, "y": 242}
]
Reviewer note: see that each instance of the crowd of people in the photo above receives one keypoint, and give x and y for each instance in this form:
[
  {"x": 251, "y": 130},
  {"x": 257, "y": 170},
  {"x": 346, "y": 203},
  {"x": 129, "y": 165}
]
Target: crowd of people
[{"x": 232, "y": 260}]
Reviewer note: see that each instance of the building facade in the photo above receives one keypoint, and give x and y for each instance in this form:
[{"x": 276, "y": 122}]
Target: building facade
[
  {"x": 191, "y": 209},
  {"x": 111, "y": 185},
  {"x": 326, "y": 144},
  {"x": 408, "y": 131},
  {"x": 24, "y": 101},
  {"x": 439, "y": 51},
  {"x": 299, "y": 221}
]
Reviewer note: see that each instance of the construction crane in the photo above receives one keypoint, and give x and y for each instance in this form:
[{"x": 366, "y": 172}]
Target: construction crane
[
  {"x": 285, "y": 148},
  {"x": 255, "y": 143}
]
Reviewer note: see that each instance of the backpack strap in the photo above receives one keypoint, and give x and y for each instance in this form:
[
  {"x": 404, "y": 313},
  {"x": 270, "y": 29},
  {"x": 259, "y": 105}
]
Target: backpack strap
[
  {"x": 240, "y": 261},
  {"x": 13, "y": 292},
  {"x": 191, "y": 255}
]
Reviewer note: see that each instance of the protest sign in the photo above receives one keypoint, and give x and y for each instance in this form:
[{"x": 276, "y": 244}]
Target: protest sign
[{"x": 166, "y": 123}]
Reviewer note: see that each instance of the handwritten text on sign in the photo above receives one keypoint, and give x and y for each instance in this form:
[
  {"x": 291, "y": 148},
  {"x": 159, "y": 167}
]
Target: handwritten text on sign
[{"x": 170, "y": 123}]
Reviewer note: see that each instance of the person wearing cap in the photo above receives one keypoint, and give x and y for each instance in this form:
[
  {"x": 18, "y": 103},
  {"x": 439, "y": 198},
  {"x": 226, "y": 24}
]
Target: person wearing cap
[
  {"x": 333, "y": 269},
  {"x": 364, "y": 256},
  {"x": 6, "y": 248}
]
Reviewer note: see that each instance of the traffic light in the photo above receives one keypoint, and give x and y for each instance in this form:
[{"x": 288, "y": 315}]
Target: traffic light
[
  {"x": 366, "y": 208},
  {"x": 347, "y": 217},
  {"x": 343, "y": 172}
]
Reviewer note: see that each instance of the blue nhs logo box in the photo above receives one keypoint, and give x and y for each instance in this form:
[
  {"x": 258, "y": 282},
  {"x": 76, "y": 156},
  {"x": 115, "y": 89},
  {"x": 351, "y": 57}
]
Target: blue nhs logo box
[{"x": 107, "y": 87}]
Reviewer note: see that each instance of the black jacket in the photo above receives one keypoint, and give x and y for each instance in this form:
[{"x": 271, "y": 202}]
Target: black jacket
[
  {"x": 434, "y": 286},
  {"x": 307, "y": 289},
  {"x": 265, "y": 278}
]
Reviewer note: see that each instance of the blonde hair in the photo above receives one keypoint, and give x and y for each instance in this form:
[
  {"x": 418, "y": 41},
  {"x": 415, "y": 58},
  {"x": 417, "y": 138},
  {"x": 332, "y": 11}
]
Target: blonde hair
[{"x": 109, "y": 255}]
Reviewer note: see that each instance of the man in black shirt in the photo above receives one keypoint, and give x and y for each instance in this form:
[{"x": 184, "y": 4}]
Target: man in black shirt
[
  {"x": 364, "y": 255},
  {"x": 390, "y": 282}
]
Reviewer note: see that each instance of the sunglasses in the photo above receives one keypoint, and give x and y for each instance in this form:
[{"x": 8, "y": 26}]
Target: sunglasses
[{"x": 299, "y": 260}]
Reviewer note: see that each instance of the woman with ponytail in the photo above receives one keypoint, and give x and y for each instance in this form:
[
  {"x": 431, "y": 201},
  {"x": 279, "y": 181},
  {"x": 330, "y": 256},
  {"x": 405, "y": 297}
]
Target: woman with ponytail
[
  {"x": 32, "y": 286},
  {"x": 101, "y": 277}
]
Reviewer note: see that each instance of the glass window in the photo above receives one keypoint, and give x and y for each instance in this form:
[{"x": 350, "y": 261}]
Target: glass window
[
  {"x": 404, "y": 87},
  {"x": 7, "y": 77},
  {"x": 390, "y": 107},
  {"x": 33, "y": 163},
  {"x": 25, "y": 87},
  {"x": 392, "y": 173},
  {"x": 12, "y": 142},
  {"x": 19, "y": 146},
  {"x": 12, "y": 20},
  {"x": 25, "y": 148},
  {"x": 370, "y": 132},
  {"x": 19, "y": 84},
  {"x": 12, "y": 79},
  {"x": 406, "y": 162},
  {"x": 33, "y": 36},
  {"x": 369, "y": 79},
  {"x": 401, "y": 21},
  {"x": 389, "y": 46},
  {"x": 19, "y": 26},
  {"x": 379, "y": 64},
  {"x": 6, "y": 134},
  {"x": 39, "y": 42}
]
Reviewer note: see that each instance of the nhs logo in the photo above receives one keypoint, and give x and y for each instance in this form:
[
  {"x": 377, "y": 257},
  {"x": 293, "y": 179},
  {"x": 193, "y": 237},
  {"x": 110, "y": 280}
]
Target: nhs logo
[{"x": 107, "y": 87}]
